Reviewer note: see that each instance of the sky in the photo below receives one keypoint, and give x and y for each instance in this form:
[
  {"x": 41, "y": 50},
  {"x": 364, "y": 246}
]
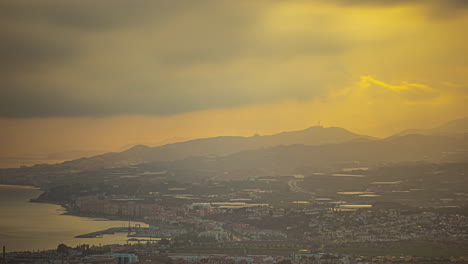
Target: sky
[{"x": 84, "y": 77}]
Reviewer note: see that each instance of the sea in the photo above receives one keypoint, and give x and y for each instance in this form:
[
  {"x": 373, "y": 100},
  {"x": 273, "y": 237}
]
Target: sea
[{"x": 27, "y": 226}]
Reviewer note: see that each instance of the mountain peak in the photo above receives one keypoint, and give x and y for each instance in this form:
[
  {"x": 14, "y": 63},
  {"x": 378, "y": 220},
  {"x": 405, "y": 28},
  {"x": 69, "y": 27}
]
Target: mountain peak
[
  {"x": 314, "y": 128},
  {"x": 323, "y": 128},
  {"x": 137, "y": 148}
]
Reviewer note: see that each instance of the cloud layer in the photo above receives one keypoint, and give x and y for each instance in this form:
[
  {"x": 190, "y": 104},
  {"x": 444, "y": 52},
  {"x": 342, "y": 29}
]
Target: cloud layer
[{"x": 88, "y": 58}]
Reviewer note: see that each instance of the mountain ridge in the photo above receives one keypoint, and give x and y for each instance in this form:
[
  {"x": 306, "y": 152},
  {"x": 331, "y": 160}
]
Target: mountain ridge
[
  {"x": 217, "y": 146},
  {"x": 450, "y": 128},
  {"x": 335, "y": 142},
  {"x": 295, "y": 158}
]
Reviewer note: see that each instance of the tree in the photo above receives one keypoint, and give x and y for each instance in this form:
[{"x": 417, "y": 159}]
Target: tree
[{"x": 62, "y": 249}]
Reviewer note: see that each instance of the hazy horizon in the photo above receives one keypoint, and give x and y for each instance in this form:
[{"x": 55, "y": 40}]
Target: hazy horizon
[{"x": 67, "y": 155}]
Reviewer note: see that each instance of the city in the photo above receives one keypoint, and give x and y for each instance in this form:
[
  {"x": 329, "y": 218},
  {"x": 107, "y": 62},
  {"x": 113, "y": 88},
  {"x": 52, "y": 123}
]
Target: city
[{"x": 233, "y": 131}]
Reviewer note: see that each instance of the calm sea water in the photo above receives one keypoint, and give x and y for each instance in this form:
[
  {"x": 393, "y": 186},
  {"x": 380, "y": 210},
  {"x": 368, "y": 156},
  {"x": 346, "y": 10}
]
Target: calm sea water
[{"x": 37, "y": 226}]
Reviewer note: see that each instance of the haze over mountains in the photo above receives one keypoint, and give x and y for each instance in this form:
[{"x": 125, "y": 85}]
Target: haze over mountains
[
  {"x": 216, "y": 146},
  {"x": 314, "y": 147},
  {"x": 454, "y": 127},
  {"x": 302, "y": 158}
]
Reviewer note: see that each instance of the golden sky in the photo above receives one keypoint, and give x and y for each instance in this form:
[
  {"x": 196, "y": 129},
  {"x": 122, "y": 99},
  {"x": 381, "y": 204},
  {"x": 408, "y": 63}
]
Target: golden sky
[{"x": 98, "y": 76}]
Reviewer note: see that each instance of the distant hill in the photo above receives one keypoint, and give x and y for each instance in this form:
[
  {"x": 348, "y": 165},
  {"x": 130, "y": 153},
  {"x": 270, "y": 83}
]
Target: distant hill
[
  {"x": 327, "y": 149},
  {"x": 294, "y": 158},
  {"x": 216, "y": 146},
  {"x": 452, "y": 128}
]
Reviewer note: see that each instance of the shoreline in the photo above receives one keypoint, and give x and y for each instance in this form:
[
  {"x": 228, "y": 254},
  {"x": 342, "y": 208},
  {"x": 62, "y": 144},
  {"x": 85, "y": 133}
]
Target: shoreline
[
  {"x": 66, "y": 208},
  {"x": 56, "y": 211},
  {"x": 67, "y": 211},
  {"x": 102, "y": 217}
]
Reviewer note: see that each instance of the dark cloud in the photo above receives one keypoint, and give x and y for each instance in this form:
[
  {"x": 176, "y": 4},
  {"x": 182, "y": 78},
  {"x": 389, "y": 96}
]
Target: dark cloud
[
  {"x": 103, "y": 58},
  {"x": 91, "y": 15},
  {"x": 24, "y": 51},
  {"x": 55, "y": 104},
  {"x": 158, "y": 98}
]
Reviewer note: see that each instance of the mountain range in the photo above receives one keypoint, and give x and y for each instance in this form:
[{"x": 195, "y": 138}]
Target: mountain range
[
  {"x": 451, "y": 128},
  {"x": 317, "y": 147},
  {"x": 215, "y": 146}
]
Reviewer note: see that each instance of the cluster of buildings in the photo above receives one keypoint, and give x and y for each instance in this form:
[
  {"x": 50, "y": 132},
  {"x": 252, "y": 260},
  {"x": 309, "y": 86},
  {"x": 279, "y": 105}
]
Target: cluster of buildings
[
  {"x": 133, "y": 254},
  {"x": 323, "y": 224},
  {"x": 122, "y": 208},
  {"x": 253, "y": 233},
  {"x": 53, "y": 257},
  {"x": 156, "y": 253},
  {"x": 225, "y": 259},
  {"x": 387, "y": 225}
]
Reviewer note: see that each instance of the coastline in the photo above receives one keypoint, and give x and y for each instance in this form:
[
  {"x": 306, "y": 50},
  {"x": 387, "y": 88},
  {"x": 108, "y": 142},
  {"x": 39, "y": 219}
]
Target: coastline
[
  {"x": 66, "y": 208},
  {"x": 102, "y": 217},
  {"x": 68, "y": 211},
  {"x": 96, "y": 217},
  {"x": 52, "y": 216}
]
